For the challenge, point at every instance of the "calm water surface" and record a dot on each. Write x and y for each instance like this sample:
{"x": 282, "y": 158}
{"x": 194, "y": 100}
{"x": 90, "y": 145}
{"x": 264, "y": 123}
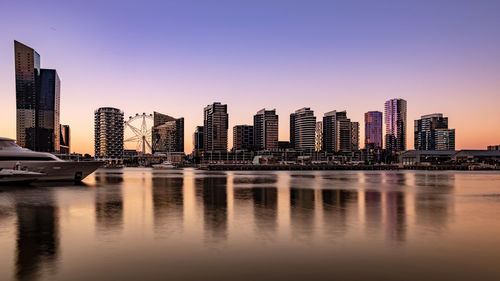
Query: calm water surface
{"x": 139, "y": 224}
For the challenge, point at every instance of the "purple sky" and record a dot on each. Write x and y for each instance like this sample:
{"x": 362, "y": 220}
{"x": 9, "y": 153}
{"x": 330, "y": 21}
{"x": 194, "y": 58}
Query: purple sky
{"x": 175, "y": 57}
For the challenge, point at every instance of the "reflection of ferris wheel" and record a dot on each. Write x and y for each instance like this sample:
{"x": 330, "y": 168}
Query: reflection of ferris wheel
{"x": 138, "y": 132}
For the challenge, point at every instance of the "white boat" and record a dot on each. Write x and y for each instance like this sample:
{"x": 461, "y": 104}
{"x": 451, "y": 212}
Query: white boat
{"x": 48, "y": 165}
{"x": 166, "y": 165}
{"x": 17, "y": 176}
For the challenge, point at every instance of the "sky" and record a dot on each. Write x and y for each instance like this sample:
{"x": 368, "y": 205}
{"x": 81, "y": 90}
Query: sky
{"x": 175, "y": 57}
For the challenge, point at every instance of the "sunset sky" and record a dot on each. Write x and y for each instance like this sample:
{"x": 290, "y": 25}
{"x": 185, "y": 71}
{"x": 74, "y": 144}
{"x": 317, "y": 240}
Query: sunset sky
{"x": 175, "y": 57}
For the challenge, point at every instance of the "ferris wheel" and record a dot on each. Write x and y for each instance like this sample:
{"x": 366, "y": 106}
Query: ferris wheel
{"x": 138, "y": 132}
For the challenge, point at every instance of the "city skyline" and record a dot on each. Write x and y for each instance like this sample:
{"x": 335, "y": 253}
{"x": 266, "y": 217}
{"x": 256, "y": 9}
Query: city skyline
{"x": 456, "y": 73}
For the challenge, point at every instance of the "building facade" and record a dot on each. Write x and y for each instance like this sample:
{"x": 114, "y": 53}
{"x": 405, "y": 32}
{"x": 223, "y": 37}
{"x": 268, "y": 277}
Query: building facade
{"x": 373, "y": 130}
{"x": 395, "y": 124}
{"x": 337, "y": 132}
{"x": 318, "y": 136}
{"x": 37, "y": 101}
{"x": 354, "y": 136}
{"x": 304, "y": 129}
{"x": 198, "y": 139}
{"x": 65, "y": 139}
{"x": 216, "y": 123}
{"x": 108, "y": 134}
{"x": 167, "y": 133}
{"x": 432, "y": 133}
{"x": 243, "y": 137}
{"x": 265, "y": 124}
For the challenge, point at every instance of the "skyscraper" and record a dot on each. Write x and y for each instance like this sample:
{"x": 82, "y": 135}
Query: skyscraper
{"x": 37, "y": 102}
{"x": 243, "y": 137}
{"x": 265, "y": 124}
{"x": 167, "y": 133}
{"x": 337, "y": 132}
{"x": 432, "y": 133}
{"x": 395, "y": 124}
{"x": 216, "y": 123}
{"x": 373, "y": 130}
{"x": 108, "y": 133}
{"x": 318, "y": 136}
{"x": 304, "y": 129}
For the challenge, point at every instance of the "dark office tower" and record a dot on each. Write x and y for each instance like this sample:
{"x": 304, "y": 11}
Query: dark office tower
{"x": 198, "y": 138}
{"x": 168, "y": 133}
{"x": 27, "y": 67}
{"x": 432, "y": 133}
{"x": 395, "y": 125}
{"x": 292, "y": 130}
{"x": 216, "y": 124}
{"x": 65, "y": 144}
{"x": 265, "y": 124}
{"x": 373, "y": 130}
{"x": 37, "y": 101}
{"x": 243, "y": 137}
{"x": 48, "y": 111}
{"x": 108, "y": 133}
{"x": 337, "y": 132}
{"x": 354, "y": 136}
{"x": 305, "y": 129}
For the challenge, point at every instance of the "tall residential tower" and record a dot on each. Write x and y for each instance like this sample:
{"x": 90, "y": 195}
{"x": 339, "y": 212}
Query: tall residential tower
{"x": 265, "y": 125}
{"x": 108, "y": 133}
{"x": 215, "y": 123}
{"x": 395, "y": 125}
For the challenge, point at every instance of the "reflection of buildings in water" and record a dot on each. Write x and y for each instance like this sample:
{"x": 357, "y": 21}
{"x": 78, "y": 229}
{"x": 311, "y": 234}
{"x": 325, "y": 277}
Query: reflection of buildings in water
{"x": 433, "y": 202}
{"x": 108, "y": 208}
{"x": 214, "y": 196}
{"x": 396, "y": 179}
{"x": 109, "y": 178}
{"x": 395, "y": 215}
{"x": 37, "y": 236}
{"x": 302, "y": 212}
{"x": 335, "y": 206}
{"x": 168, "y": 203}
{"x": 265, "y": 200}
{"x": 373, "y": 210}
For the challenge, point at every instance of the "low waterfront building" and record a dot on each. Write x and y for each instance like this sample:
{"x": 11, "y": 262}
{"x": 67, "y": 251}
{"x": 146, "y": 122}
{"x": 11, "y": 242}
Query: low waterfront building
{"x": 493, "y": 147}
{"x": 243, "y": 137}
{"x": 477, "y": 156}
{"x": 425, "y": 157}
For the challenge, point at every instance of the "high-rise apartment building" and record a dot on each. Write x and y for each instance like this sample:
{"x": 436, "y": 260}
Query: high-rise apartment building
{"x": 65, "y": 139}
{"x": 108, "y": 133}
{"x": 167, "y": 133}
{"x": 432, "y": 133}
{"x": 318, "y": 136}
{"x": 373, "y": 130}
{"x": 243, "y": 137}
{"x": 337, "y": 132}
{"x": 395, "y": 125}
{"x": 265, "y": 124}
{"x": 304, "y": 129}
{"x": 216, "y": 123}
{"x": 292, "y": 130}
{"x": 37, "y": 101}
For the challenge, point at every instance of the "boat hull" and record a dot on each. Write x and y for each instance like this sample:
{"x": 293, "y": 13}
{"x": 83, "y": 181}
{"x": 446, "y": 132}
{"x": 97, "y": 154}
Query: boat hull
{"x": 57, "y": 170}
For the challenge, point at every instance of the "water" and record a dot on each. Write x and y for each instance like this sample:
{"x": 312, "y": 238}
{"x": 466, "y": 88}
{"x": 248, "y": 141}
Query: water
{"x": 139, "y": 224}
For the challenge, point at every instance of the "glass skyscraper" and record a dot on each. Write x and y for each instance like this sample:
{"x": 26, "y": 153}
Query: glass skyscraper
{"x": 37, "y": 101}
{"x": 395, "y": 125}
{"x": 373, "y": 130}
{"x": 167, "y": 133}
